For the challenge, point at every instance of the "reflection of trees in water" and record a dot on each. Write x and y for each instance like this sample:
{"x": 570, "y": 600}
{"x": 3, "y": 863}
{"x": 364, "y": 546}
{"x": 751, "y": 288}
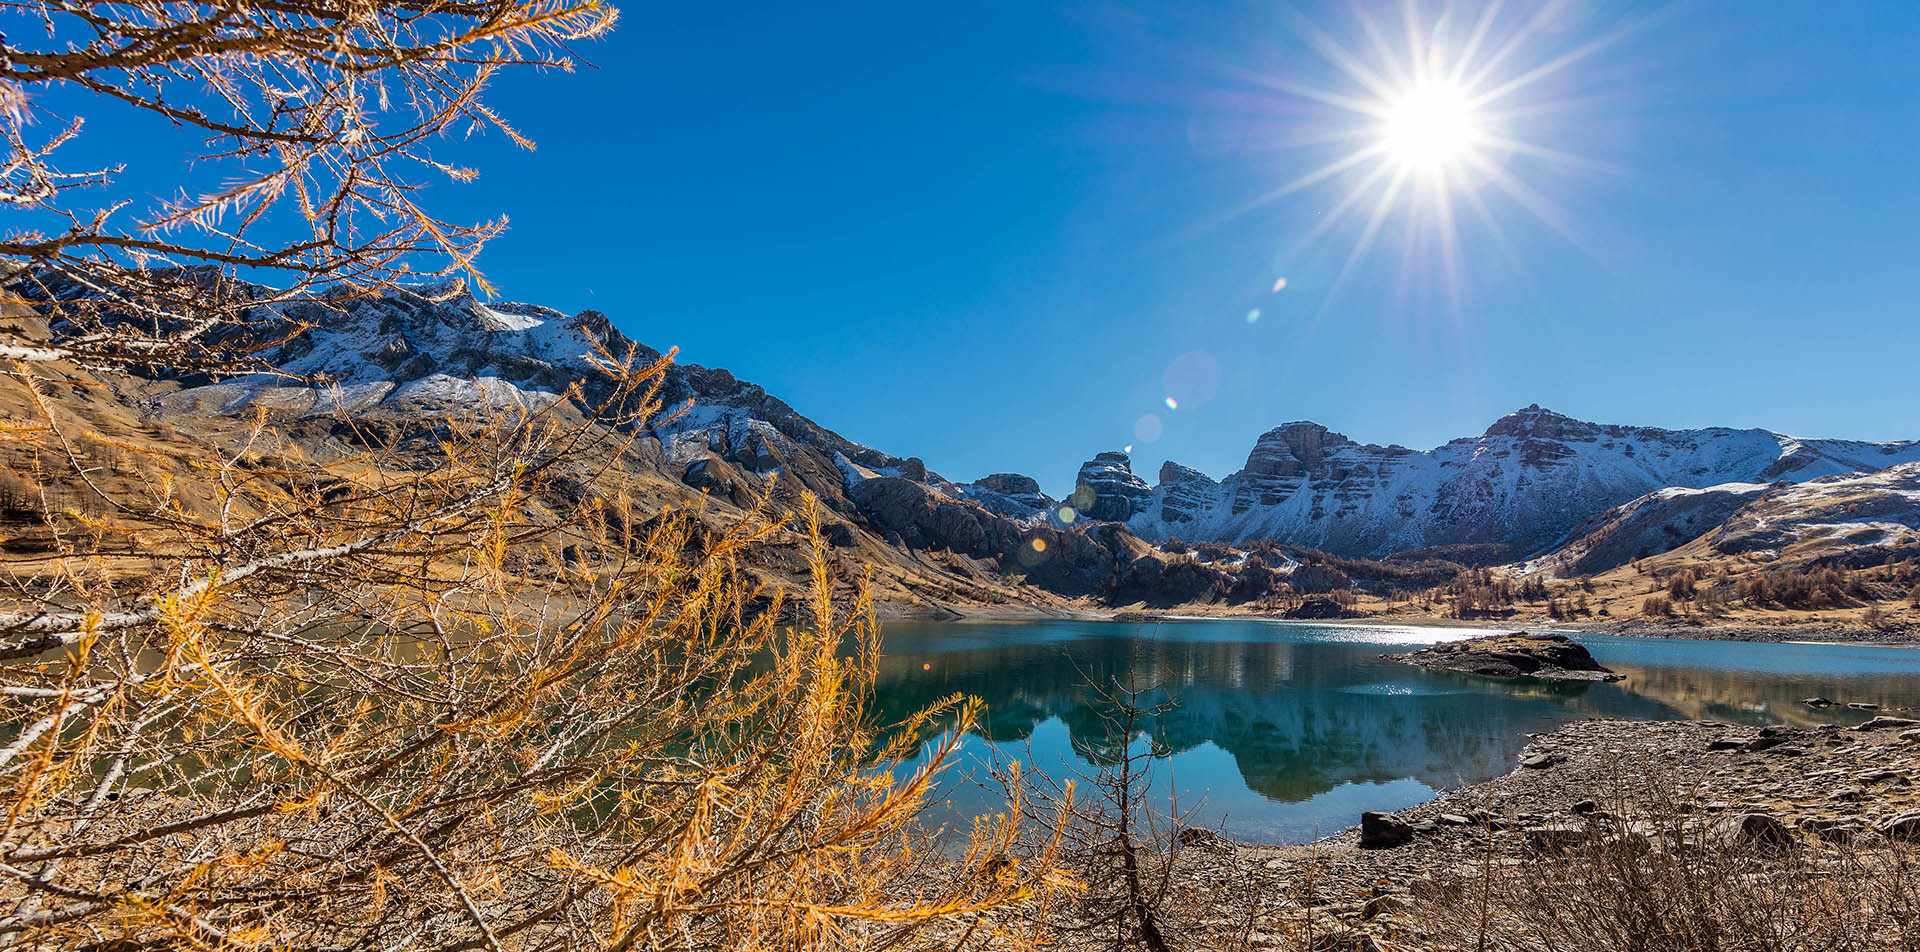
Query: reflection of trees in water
{"x": 1747, "y": 697}
{"x": 1286, "y": 713}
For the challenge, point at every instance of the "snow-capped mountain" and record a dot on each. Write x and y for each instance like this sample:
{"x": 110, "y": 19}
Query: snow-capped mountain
{"x": 412, "y": 353}
{"x": 1653, "y": 524}
{"x": 1528, "y": 481}
{"x": 1854, "y": 519}
{"x": 1533, "y": 480}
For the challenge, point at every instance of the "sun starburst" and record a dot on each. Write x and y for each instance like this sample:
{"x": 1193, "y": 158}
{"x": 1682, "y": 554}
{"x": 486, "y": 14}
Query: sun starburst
{"x": 1414, "y": 128}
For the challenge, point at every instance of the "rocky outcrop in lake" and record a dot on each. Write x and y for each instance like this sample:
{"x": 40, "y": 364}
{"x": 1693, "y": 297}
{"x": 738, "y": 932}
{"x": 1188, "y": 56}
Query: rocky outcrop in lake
{"x": 1518, "y": 655}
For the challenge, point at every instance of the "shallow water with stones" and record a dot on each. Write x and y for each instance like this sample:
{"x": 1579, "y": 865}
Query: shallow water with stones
{"x": 1284, "y": 731}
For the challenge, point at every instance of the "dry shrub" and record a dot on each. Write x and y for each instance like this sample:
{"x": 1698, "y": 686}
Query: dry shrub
{"x": 465, "y": 696}
{"x": 1673, "y": 879}
{"x": 436, "y": 683}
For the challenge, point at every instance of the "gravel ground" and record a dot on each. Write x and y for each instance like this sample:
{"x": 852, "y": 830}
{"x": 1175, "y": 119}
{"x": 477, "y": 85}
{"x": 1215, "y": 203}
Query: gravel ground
{"x": 1829, "y": 782}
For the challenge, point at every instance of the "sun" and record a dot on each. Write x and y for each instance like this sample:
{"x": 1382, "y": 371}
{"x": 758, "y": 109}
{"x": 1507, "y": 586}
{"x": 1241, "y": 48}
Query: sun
{"x": 1431, "y": 127}
{"x": 1418, "y": 134}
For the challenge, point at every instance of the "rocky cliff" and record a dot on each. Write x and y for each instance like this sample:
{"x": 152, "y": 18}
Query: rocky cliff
{"x": 394, "y": 360}
{"x": 1532, "y": 479}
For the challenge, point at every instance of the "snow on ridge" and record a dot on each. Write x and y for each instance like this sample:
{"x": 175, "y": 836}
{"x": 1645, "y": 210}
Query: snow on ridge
{"x": 1533, "y": 477}
{"x": 509, "y": 321}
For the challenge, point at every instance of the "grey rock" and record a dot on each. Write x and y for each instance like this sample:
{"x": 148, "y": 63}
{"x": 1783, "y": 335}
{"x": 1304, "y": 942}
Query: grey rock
{"x": 1759, "y": 830}
{"x": 1520, "y": 654}
{"x": 1383, "y": 830}
{"x": 1902, "y": 826}
{"x": 1883, "y": 722}
{"x": 1554, "y": 837}
{"x": 1107, "y": 490}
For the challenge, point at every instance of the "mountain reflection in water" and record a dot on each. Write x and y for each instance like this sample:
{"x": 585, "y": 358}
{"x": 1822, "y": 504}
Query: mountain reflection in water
{"x": 1281, "y": 731}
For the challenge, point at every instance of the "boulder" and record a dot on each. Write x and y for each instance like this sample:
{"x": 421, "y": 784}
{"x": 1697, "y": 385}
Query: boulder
{"x": 1900, "y": 826}
{"x": 1383, "y": 830}
{"x": 1832, "y": 829}
{"x": 1883, "y": 722}
{"x": 1554, "y": 837}
{"x": 1758, "y": 830}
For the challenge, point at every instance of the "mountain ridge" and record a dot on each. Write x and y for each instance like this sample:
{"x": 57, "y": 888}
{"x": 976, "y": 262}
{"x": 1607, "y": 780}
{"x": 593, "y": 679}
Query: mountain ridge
{"x": 1531, "y": 478}
{"x": 1533, "y": 482}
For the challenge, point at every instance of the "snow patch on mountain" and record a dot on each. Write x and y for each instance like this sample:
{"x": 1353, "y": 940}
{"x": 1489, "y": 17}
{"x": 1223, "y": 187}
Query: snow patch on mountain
{"x": 1860, "y": 517}
{"x": 1534, "y": 477}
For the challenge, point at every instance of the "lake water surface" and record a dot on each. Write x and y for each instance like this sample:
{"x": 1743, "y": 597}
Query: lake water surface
{"x": 1283, "y": 731}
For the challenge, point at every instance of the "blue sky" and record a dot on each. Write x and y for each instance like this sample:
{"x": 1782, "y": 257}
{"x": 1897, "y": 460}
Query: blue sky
{"x": 982, "y": 233}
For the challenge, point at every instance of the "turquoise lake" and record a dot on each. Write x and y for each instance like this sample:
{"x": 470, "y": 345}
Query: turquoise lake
{"x": 1285, "y": 731}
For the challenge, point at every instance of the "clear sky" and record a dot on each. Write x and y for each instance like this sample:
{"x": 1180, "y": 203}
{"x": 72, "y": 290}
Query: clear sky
{"x": 997, "y": 234}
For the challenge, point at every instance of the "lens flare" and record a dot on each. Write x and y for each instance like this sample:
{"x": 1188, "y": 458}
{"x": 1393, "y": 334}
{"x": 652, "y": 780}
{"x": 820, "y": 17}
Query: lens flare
{"x": 1253, "y": 316}
{"x": 1279, "y": 285}
{"x": 1172, "y": 404}
{"x": 1191, "y": 379}
{"x": 1147, "y": 429}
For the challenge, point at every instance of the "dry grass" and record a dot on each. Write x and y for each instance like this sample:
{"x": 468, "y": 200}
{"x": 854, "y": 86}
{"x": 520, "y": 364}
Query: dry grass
{"x": 1666, "y": 881}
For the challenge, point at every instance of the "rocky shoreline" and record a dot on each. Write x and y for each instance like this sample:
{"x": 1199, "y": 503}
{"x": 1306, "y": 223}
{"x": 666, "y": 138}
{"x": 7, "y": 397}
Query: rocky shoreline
{"x": 1773, "y": 786}
{"x": 1903, "y": 635}
{"x": 1824, "y": 633}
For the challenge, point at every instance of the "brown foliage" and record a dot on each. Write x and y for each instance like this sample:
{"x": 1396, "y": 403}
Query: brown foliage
{"x": 365, "y": 704}
{"x": 317, "y": 122}
{"x": 448, "y": 686}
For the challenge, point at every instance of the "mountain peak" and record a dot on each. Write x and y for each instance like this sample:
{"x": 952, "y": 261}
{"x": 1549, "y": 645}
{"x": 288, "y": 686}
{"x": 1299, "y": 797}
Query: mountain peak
{"x": 1288, "y": 446}
{"x": 1531, "y": 478}
{"x": 1536, "y": 422}
{"x": 1107, "y": 489}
